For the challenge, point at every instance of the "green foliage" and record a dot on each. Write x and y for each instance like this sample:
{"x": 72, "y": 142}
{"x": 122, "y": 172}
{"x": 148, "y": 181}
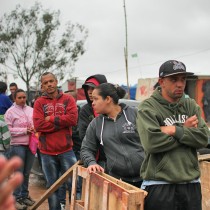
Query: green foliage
{"x": 29, "y": 44}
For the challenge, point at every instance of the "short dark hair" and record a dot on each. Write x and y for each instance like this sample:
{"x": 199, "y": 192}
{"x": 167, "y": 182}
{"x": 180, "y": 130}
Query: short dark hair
{"x": 13, "y": 84}
{"x": 18, "y": 91}
{"x": 114, "y": 91}
{"x": 46, "y": 73}
{"x": 3, "y": 87}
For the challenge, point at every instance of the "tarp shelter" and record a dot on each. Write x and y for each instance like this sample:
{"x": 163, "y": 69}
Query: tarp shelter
{"x": 132, "y": 90}
{"x": 145, "y": 88}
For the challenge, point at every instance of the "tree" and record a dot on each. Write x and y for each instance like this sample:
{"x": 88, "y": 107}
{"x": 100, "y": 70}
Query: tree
{"x": 29, "y": 44}
{"x": 3, "y": 75}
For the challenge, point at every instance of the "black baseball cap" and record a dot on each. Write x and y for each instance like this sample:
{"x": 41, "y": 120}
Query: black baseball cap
{"x": 173, "y": 67}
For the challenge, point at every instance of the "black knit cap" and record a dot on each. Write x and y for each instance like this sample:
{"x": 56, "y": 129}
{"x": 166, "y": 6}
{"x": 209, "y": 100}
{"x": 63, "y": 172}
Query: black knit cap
{"x": 173, "y": 67}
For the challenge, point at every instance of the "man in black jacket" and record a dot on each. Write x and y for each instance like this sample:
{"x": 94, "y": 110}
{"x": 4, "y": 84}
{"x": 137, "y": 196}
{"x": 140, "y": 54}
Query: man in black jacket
{"x": 87, "y": 113}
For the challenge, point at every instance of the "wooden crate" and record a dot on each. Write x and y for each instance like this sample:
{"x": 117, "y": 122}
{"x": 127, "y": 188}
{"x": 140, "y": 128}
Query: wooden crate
{"x": 205, "y": 184}
{"x": 103, "y": 192}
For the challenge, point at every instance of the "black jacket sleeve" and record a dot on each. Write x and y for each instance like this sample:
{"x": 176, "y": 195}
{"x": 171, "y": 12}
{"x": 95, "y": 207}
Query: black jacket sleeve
{"x": 90, "y": 145}
{"x": 85, "y": 117}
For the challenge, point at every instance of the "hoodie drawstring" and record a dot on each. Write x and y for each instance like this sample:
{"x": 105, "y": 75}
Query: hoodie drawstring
{"x": 102, "y": 128}
{"x": 129, "y": 123}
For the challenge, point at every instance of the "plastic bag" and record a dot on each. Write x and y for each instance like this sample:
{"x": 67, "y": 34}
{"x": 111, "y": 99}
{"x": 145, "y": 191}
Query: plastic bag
{"x": 33, "y": 143}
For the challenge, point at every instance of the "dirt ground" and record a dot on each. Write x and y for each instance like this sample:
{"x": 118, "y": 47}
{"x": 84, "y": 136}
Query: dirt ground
{"x": 37, "y": 189}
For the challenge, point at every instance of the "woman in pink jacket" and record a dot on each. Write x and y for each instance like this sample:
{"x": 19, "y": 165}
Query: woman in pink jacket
{"x": 19, "y": 118}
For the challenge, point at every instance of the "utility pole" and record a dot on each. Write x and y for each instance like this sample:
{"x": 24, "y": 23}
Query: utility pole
{"x": 126, "y": 50}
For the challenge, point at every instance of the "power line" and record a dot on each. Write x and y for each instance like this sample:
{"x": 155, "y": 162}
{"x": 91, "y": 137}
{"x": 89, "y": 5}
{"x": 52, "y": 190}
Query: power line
{"x": 153, "y": 63}
{"x": 161, "y": 61}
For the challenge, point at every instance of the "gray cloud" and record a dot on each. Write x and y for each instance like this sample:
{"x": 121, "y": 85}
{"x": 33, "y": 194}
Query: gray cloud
{"x": 157, "y": 31}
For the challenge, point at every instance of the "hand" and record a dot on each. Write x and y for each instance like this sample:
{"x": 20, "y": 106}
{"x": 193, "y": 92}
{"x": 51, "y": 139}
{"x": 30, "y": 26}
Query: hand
{"x": 47, "y": 118}
{"x": 9, "y": 181}
{"x": 94, "y": 168}
{"x": 170, "y": 130}
{"x": 191, "y": 122}
{"x": 30, "y": 130}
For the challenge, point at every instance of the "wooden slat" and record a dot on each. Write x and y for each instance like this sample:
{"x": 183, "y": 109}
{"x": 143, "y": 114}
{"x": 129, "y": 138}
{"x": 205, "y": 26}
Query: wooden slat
{"x": 205, "y": 184}
{"x": 203, "y": 157}
{"x": 87, "y": 193}
{"x": 74, "y": 189}
{"x": 78, "y": 206}
{"x": 125, "y": 201}
{"x": 55, "y": 186}
{"x": 83, "y": 189}
{"x": 105, "y": 195}
{"x": 82, "y": 172}
{"x": 103, "y": 192}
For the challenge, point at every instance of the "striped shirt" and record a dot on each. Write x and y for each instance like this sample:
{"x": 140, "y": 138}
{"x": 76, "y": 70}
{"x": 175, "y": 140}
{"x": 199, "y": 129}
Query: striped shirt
{"x": 4, "y": 135}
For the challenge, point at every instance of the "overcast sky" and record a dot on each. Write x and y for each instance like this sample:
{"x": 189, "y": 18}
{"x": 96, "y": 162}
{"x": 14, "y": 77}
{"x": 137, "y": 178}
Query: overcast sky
{"x": 158, "y": 30}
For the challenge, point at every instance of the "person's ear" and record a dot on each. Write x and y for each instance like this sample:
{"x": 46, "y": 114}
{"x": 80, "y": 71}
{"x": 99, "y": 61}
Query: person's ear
{"x": 108, "y": 99}
{"x": 161, "y": 81}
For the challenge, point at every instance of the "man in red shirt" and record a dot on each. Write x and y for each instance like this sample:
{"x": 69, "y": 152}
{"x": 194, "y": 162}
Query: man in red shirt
{"x": 54, "y": 115}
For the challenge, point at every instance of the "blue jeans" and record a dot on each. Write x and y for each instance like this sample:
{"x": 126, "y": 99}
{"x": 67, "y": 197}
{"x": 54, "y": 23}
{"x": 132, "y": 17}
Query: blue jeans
{"x": 79, "y": 183}
{"x": 77, "y": 154}
{"x": 5, "y": 153}
{"x": 62, "y": 188}
{"x": 53, "y": 166}
{"x": 28, "y": 158}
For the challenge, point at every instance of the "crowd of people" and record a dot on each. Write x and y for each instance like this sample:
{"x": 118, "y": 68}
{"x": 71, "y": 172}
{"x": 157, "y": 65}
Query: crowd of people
{"x": 153, "y": 147}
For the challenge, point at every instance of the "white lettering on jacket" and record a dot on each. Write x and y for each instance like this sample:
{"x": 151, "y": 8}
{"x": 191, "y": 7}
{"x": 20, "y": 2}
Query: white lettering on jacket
{"x": 175, "y": 119}
{"x": 56, "y": 110}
